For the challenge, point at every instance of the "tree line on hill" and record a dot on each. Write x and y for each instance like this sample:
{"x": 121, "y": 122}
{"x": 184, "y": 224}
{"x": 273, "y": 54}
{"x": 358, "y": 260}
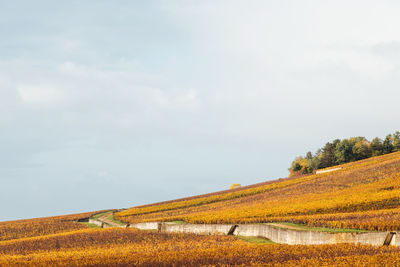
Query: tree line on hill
{"x": 342, "y": 151}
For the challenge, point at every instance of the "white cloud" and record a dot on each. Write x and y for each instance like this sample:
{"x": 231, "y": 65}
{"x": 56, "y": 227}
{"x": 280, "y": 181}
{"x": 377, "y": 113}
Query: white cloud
{"x": 72, "y": 69}
{"x": 360, "y": 59}
{"x": 41, "y": 94}
{"x": 71, "y": 45}
{"x": 104, "y": 175}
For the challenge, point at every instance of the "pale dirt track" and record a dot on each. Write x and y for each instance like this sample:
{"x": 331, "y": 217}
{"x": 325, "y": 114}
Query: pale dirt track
{"x": 109, "y": 222}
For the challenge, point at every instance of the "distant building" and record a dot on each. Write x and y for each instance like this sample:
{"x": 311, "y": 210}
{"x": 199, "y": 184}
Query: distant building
{"x": 329, "y": 170}
{"x": 234, "y": 186}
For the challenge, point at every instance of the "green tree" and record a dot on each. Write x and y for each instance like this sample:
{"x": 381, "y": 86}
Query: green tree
{"x": 296, "y": 167}
{"x": 388, "y": 144}
{"x": 344, "y": 152}
{"x": 313, "y": 164}
{"x": 362, "y": 150}
{"x": 376, "y": 147}
{"x": 300, "y": 166}
{"x": 396, "y": 141}
{"x": 327, "y": 155}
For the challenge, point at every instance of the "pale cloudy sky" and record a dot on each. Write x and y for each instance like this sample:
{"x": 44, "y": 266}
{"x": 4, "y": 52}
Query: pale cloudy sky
{"x": 110, "y": 104}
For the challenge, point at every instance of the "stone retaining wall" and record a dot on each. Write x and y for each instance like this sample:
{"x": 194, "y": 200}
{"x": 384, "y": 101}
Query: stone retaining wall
{"x": 201, "y": 229}
{"x": 100, "y": 223}
{"x": 396, "y": 240}
{"x": 274, "y": 233}
{"x": 146, "y": 225}
{"x": 96, "y": 222}
{"x": 305, "y": 237}
{"x": 329, "y": 170}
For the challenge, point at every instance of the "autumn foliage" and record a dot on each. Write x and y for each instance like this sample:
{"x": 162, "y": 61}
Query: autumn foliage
{"x": 343, "y": 151}
{"x": 130, "y": 247}
{"x": 41, "y": 226}
{"x": 363, "y": 195}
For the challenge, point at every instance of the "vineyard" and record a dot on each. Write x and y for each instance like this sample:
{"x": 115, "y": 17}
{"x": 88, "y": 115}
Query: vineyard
{"x": 362, "y": 195}
{"x": 123, "y": 247}
{"x": 41, "y": 226}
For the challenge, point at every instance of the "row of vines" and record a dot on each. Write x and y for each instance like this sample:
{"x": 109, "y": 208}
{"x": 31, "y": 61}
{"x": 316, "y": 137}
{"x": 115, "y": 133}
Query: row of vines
{"x": 130, "y": 247}
{"x": 355, "y": 197}
{"x": 42, "y": 226}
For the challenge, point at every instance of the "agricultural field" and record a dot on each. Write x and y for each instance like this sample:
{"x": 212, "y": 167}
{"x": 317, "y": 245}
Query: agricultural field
{"x": 42, "y": 226}
{"x": 130, "y": 247}
{"x": 361, "y": 195}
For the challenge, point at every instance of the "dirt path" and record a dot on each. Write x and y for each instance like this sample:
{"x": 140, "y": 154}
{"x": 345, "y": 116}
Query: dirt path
{"x": 105, "y": 219}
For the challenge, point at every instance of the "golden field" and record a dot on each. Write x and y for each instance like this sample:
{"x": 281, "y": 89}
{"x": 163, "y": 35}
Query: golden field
{"x": 41, "y": 226}
{"x": 363, "y": 195}
{"x": 130, "y": 247}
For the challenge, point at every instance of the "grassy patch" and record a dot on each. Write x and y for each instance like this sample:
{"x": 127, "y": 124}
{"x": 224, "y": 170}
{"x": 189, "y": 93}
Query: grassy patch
{"x": 111, "y": 218}
{"x": 256, "y": 240}
{"x": 90, "y": 225}
{"x": 322, "y": 229}
{"x": 98, "y": 215}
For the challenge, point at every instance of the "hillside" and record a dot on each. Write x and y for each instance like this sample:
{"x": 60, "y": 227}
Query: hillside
{"x": 42, "y": 226}
{"x": 359, "y": 195}
{"x": 362, "y": 195}
{"x": 131, "y": 247}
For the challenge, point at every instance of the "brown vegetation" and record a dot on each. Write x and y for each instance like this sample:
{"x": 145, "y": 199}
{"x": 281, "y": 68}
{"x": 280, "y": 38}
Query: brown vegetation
{"x": 130, "y": 247}
{"x": 358, "y": 196}
{"x": 41, "y": 226}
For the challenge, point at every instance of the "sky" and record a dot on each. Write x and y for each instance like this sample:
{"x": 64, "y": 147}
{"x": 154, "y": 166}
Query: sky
{"x": 112, "y": 104}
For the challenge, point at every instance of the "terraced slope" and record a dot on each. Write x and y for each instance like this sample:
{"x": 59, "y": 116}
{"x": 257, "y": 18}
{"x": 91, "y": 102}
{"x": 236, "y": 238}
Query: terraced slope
{"x": 42, "y": 226}
{"x": 131, "y": 247}
{"x": 361, "y": 195}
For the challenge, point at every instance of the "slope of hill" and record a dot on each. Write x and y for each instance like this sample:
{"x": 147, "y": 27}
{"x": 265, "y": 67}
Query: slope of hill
{"x": 42, "y": 226}
{"x": 363, "y": 195}
{"x": 360, "y": 195}
{"x": 130, "y": 247}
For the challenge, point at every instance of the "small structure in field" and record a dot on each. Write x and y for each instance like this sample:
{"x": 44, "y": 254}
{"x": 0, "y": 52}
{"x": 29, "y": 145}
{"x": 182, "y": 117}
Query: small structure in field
{"x": 329, "y": 170}
{"x": 234, "y": 186}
